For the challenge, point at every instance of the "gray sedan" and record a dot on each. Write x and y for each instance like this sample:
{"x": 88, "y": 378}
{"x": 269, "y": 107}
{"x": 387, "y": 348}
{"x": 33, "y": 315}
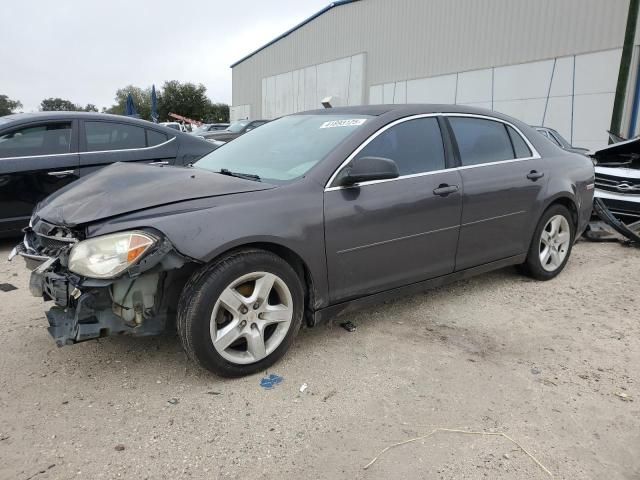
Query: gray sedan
{"x": 305, "y": 218}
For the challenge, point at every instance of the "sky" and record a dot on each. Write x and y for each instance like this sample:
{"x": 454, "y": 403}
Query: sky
{"x": 84, "y": 50}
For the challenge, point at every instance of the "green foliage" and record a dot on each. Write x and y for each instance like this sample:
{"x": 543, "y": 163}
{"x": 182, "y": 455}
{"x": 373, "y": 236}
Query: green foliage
{"x": 8, "y": 106}
{"x": 141, "y": 99}
{"x": 58, "y": 105}
{"x": 90, "y": 107}
{"x": 186, "y": 99}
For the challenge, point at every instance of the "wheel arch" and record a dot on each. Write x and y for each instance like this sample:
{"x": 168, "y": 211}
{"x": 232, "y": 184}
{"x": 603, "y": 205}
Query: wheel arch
{"x": 292, "y": 258}
{"x": 567, "y": 200}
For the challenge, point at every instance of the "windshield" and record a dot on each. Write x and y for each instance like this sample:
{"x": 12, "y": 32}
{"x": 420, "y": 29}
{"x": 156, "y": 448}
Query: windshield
{"x": 284, "y": 149}
{"x": 237, "y": 126}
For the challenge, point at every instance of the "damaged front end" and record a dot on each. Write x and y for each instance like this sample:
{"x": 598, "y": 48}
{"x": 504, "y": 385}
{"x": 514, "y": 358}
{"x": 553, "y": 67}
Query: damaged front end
{"x": 617, "y": 193}
{"x": 136, "y": 301}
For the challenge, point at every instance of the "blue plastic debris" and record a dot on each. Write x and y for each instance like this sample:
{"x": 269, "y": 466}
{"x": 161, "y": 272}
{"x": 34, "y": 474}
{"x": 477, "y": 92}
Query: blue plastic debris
{"x": 271, "y": 381}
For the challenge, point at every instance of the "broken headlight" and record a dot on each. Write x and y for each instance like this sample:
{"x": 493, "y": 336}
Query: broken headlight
{"x": 109, "y": 255}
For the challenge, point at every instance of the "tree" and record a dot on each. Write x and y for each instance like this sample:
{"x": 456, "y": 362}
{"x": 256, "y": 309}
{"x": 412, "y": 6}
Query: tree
{"x": 90, "y": 107}
{"x": 58, "y": 105}
{"x": 186, "y": 99}
{"x": 141, "y": 99}
{"x": 8, "y": 106}
{"x": 218, "y": 112}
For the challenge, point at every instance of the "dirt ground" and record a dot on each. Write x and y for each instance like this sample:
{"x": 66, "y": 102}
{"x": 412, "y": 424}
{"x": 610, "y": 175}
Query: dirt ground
{"x": 555, "y": 365}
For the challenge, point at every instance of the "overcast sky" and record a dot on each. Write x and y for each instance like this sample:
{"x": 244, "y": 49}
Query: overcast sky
{"x": 84, "y": 50}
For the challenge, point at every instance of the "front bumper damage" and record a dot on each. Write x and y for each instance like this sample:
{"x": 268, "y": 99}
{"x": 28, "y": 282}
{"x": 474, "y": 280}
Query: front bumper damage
{"x": 86, "y": 308}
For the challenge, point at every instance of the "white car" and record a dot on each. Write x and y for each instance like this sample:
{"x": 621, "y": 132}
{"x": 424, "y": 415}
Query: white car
{"x": 618, "y": 178}
{"x": 176, "y": 126}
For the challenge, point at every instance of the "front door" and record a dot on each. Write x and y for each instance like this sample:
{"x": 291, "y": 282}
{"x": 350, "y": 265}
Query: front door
{"x": 35, "y": 160}
{"x": 385, "y": 234}
{"x": 502, "y": 179}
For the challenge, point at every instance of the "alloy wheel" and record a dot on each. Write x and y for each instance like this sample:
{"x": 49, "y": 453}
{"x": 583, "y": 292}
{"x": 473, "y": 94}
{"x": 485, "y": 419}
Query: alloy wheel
{"x": 554, "y": 243}
{"x": 251, "y": 317}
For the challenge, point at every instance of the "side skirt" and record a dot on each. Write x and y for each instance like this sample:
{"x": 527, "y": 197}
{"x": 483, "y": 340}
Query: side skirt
{"x": 332, "y": 311}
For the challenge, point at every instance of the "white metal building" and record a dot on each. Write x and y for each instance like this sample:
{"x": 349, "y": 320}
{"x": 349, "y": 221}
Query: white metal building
{"x": 546, "y": 62}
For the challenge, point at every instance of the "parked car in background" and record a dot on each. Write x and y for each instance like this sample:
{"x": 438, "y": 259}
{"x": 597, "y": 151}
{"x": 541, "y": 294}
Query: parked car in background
{"x": 175, "y": 125}
{"x": 618, "y": 178}
{"x": 560, "y": 141}
{"x": 311, "y": 215}
{"x": 43, "y": 152}
{"x": 209, "y": 127}
{"x": 234, "y": 131}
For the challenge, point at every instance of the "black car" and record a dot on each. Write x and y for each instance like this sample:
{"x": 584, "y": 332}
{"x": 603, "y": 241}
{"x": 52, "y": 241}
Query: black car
{"x": 42, "y": 152}
{"x": 234, "y": 131}
{"x": 309, "y": 216}
{"x": 560, "y": 141}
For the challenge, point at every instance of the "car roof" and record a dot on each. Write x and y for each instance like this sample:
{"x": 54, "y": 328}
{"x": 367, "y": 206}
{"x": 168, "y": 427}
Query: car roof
{"x": 18, "y": 118}
{"x": 405, "y": 109}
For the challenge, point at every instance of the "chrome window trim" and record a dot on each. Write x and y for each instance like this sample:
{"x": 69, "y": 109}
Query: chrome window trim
{"x": 534, "y": 153}
{"x": 129, "y": 149}
{"x": 372, "y": 137}
{"x": 85, "y": 153}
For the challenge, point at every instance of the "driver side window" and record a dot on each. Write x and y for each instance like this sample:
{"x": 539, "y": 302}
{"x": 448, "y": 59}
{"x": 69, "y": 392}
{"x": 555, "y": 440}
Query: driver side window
{"x": 415, "y": 146}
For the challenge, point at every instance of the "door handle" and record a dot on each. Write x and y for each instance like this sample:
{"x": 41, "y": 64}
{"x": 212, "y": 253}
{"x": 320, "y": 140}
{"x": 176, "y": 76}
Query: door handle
{"x": 61, "y": 173}
{"x": 443, "y": 190}
{"x": 533, "y": 175}
{"x": 164, "y": 162}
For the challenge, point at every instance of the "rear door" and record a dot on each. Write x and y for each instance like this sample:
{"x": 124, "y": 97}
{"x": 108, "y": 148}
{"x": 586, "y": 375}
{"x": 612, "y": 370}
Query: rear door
{"x": 105, "y": 142}
{"x": 36, "y": 159}
{"x": 389, "y": 233}
{"x": 503, "y": 180}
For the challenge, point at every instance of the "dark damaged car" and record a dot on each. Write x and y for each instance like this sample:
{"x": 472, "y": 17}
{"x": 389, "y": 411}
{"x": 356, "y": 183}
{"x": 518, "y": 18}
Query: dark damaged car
{"x": 307, "y": 217}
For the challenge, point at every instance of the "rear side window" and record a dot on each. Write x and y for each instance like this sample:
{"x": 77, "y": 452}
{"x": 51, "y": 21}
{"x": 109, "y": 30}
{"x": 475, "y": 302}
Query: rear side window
{"x": 155, "y": 138}
{"x": 520, "y": 147}
{"x": 113, "y": 136}
{"x": 481, "y": 141}
{"x": 45, "y": 139}
{"x": 415, "y": 145}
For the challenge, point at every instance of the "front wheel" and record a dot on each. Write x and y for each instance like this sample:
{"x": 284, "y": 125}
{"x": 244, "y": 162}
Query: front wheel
{"x": 551, "y": 244}
{"x": 239, "y": 315}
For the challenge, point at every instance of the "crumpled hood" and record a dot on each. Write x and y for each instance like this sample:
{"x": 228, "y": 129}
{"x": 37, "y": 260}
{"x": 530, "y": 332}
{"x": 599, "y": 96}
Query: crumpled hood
{"x": 128, "y": 187}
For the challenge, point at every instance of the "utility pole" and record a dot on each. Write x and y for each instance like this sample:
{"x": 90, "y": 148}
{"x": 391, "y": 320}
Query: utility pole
{"x": 625, "y": 63}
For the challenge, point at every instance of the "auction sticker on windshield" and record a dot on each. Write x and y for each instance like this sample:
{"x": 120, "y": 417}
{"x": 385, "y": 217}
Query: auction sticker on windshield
{"x": 352, "y": 122}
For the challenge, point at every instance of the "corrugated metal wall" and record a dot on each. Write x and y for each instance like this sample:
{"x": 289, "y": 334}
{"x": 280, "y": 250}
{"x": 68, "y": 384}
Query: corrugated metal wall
{"x": 406, "y": 39}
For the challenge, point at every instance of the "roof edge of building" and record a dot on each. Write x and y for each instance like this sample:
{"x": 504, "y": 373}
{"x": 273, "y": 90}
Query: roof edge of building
{"x": 336, "y": 3}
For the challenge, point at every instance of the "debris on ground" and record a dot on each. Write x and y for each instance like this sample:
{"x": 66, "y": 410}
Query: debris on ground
{"x": 7, "y": 287}
{"x": 611, "y": 228}
{"x": 173, "y": 401}
{"x": 303, "y": 387}
{"x": 119, "y": 447}
{"x": 212, "y": 392}
{"x": 625, "y": 397}
{"x": 271, "y": 381}
{"x": 464, "y": 432}
{"x": 348, "y": 326}
{"x": 329, "y": 395}
{"x": 535, "y": 371}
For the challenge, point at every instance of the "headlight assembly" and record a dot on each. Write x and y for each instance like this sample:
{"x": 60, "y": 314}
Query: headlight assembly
{"x": 109, "y": 255}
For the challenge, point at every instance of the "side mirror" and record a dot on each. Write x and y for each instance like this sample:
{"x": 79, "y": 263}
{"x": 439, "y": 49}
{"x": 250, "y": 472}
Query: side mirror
{"x": 365, "y": 169}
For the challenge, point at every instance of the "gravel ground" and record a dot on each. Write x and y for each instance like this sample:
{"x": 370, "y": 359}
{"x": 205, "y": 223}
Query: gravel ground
{"x": 553, "y": 365}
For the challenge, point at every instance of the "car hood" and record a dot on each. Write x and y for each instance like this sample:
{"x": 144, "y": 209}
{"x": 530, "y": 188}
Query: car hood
{"x": 625, "y": 153}
{"x": 124, "y": 188}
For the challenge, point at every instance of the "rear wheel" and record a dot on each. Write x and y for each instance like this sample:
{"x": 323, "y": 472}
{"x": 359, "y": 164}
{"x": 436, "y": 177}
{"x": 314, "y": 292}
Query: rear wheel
{"x": 240, "y": 315}
{"x": 551, "y": 244}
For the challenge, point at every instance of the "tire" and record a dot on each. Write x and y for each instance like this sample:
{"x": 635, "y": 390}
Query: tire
{"x": 233, "y": 289}
{"x": 534, "y": 265}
